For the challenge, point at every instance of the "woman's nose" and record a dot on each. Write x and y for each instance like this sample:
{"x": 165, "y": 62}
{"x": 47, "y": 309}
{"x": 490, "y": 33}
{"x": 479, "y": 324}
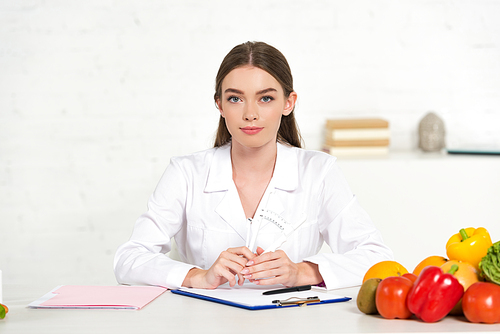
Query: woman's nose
{"x": 251, "y": 113}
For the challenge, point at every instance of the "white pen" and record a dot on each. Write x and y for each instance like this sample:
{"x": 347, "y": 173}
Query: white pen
{"x": 249, "y": 233}
{"x": 255, "y": 224}
{"x": 255, "y": 227}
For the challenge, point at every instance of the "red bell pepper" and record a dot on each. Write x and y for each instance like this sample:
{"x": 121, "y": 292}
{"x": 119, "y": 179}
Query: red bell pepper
{"x": 434, "y": 294}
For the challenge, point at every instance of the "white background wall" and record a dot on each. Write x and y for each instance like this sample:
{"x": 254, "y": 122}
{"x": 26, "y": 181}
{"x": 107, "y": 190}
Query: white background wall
{"x": 97, "y": 95}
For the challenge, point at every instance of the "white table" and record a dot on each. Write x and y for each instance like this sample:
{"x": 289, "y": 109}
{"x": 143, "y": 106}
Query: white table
{"x": 178, "y": 314}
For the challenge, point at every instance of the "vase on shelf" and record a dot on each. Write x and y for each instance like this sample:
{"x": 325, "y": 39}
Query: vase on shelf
{"x": 431, "y": 133}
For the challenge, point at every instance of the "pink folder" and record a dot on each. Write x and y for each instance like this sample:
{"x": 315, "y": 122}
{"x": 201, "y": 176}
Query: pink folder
{"x": 113, "y": 297}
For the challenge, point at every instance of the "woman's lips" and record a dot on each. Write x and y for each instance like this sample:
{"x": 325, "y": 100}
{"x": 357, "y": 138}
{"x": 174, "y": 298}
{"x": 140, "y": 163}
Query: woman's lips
{"x": 251, "y": 130}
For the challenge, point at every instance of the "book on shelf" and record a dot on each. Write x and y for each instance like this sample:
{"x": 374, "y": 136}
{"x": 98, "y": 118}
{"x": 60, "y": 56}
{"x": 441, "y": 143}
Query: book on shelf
{"x": 357, "y": 123}
{"x": 358, "y": 134}
{"x": 356, "y": 151}
{"x": 356, "y": 142}
{"x": 357, "y": 137}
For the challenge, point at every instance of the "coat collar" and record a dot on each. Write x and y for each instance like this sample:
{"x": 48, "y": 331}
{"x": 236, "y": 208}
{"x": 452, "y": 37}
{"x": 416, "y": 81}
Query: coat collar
{"x": 220, "y": 174}
{"x": 286, "y": 171}
{"x": 285, "y": 177}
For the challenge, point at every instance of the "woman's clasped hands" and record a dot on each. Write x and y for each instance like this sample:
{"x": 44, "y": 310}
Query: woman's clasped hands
{"x": 237, "y": 264}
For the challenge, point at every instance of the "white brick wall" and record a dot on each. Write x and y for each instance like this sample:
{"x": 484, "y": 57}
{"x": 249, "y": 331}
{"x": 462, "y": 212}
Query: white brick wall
{"x": 96, "y": 96}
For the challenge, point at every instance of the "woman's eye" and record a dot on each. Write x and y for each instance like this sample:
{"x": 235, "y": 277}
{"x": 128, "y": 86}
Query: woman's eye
{"x": 267, "y": 98}
{"x": 233, "y": 99}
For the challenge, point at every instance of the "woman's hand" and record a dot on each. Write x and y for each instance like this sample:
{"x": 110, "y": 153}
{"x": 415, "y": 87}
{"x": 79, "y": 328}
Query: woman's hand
{"x": 229, "y": 264}
{"x": 276, "y": 268}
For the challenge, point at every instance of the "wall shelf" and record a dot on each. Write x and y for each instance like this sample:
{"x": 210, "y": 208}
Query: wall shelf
{"x": 418, "y": 200}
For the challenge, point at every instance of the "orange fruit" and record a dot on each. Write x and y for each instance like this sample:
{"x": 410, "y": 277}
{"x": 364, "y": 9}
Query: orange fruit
{"x": 466, "y": 275}
{"x": 433, "y": 260}
{"x": 385, "y": 269}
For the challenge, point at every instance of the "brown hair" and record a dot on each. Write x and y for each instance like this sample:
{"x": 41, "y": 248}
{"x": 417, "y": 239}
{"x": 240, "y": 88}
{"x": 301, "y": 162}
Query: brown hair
{"x": 271, "y": 60}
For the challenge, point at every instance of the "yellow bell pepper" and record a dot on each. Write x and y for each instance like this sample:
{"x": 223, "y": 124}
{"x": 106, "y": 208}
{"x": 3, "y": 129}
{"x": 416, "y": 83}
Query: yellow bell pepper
{"x": 470, "y": 245}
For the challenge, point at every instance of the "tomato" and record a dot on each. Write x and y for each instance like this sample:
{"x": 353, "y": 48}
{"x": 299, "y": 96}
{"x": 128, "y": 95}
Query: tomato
{"x": 412, "y": 277}
{"x": 481, "y": 303}
{"x": 390, "y": 297}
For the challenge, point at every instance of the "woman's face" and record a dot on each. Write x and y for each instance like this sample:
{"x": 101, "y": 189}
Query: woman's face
{"x": 252, "y": 104}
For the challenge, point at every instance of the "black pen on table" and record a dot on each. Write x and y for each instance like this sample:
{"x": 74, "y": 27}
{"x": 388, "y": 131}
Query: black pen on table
{"x": 285, "y": 290}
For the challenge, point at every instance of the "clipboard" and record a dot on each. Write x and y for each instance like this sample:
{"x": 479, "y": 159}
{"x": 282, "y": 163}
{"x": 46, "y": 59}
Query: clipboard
{"x": 249, "y": 297}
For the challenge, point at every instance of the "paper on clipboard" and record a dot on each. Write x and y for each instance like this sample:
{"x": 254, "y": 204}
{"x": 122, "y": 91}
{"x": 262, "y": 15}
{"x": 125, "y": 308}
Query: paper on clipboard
{"x": 98, "y": 297}
{"x": 249, "y": 296}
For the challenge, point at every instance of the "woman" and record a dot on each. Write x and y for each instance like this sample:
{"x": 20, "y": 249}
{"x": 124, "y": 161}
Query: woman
{"x": 225, "y": 206}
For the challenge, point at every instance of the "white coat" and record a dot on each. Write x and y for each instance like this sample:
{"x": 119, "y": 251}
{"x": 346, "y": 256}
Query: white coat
{"x": 196, "y": 202}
